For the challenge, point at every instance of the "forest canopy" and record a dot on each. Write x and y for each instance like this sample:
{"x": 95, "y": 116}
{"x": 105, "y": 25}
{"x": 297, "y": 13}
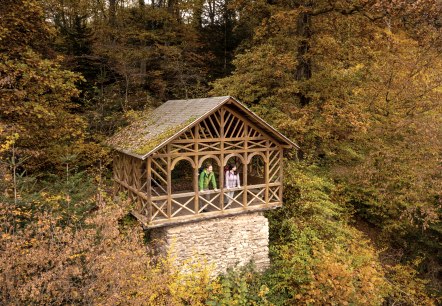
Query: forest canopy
{"x": 357, "y": 84}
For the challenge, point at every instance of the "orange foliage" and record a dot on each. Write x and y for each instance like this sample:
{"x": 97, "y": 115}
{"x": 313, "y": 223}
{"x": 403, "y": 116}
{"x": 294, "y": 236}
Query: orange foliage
{"x": 96, "y": 263}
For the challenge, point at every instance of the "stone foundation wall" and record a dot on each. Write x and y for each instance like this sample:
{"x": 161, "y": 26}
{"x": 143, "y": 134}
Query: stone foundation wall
{"x": 223, "y": 242}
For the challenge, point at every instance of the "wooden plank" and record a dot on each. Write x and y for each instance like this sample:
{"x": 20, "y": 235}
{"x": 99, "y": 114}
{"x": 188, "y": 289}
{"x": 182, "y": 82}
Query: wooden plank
{"x": 256, "y": 196}
{"x": 159, "y": 209}
{"x": 116, "y": 176}
{"x": 212, "y": 145}
{"x": 138, "y": 174}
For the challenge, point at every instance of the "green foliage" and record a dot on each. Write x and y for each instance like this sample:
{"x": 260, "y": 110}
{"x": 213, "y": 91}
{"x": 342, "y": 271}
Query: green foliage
{"x": 239, "y": 287}
{"x": 318, "y": 257}
{"x": 69, "y": 199}
{"x": 357, "y": 84}
{"x": 407, "y": 287}
{"x": 163, "y": 137}
{"x": 308, "y": 203}
{"x": 36, "y": 94}
{"x": 353, "y": 85}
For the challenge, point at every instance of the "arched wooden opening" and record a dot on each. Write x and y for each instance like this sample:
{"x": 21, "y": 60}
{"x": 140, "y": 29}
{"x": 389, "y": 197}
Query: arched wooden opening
{"x": 182, "y": 186}
{"x": 233, "y": 192}
{"x": 182, "y": 175}
{"x": 256, "y": 179}
{"x": 209, "y": 196}
{"x": 175, "y": 161}
{"x": 208, "y": 159}
{"x": 256, "y": 169}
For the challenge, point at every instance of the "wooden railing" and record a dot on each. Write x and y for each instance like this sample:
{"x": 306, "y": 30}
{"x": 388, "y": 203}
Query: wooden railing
{"x": 183, "y": 205}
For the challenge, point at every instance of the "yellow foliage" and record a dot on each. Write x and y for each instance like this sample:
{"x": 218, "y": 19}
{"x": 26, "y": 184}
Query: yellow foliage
{"x": 8, "y": 142}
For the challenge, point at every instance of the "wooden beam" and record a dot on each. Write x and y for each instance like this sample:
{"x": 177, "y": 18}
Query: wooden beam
{"x": 199, "y": 153}
{"x": 195, "y": 171}
{"x": 130, "y": 188}
{"x": 252, "y": 125}
{"x": 221, "y": 175}
{"x": 207, "y": 215}
{"x": 267, "y": 182}
{"x": 116, "y": 172}
{"x": 281, "y": 173}
{"x": 245, "y": 166}
{"x": 169, "y": 183}
{"x": 149, "y": 188}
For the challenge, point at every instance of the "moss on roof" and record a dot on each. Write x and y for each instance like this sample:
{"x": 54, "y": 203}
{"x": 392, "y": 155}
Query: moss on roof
{"x": 154, "y": 128}
{"x": 159, "y": 139}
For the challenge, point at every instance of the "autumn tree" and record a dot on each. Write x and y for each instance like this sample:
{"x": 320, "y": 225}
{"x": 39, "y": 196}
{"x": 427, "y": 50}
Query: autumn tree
{"x": 358, "y": 85}
{"x": 36, "y": 92}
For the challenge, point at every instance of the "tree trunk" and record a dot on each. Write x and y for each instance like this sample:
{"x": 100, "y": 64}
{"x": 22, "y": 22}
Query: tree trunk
{"x": 198, "y": 13}
{"x": 173, "y": 9}
{"x": 303, "y": 70}
{"x": 112, "y": 12}
{"x": 212, "y": 7}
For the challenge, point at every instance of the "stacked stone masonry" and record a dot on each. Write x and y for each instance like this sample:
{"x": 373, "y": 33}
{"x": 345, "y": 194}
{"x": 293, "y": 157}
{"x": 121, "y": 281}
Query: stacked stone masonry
{"x": 221, "y": 242}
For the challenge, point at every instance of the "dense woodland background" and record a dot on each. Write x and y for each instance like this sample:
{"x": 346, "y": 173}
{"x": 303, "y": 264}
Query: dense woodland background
{"x": 356, "y": 83}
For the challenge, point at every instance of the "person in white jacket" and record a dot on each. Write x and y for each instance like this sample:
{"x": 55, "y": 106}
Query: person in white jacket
{"x": 232, "y": 181}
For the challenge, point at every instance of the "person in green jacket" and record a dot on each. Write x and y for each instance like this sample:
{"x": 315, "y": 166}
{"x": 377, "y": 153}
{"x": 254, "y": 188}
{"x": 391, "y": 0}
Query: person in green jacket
{"x": 207, "y": 177}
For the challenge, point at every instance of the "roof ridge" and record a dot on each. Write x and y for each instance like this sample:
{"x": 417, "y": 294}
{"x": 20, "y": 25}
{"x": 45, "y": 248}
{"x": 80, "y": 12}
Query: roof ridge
{"x": 146, "y": 135}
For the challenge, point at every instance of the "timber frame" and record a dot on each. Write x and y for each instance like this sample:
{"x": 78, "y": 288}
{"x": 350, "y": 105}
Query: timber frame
{"x": 227, "y": 132}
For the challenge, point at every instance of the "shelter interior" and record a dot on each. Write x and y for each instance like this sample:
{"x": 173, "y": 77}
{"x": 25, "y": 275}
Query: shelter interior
{"x": 165, "y": 185}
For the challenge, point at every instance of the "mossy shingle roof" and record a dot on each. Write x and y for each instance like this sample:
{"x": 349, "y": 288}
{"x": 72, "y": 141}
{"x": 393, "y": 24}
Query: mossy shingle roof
{"x": 157, "y": 128}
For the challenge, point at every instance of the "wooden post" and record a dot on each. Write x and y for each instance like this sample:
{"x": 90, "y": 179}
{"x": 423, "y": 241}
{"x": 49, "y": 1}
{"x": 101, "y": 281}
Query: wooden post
{"x": 195, "y": 172}
{"x": 267, "y": 172}
{"x": 149, "y": 188}
{"x": 116, "y": 174}
{"x": 221, "y": 175}
{"x": 169, "y": 183}
{"x": 245, "y": 166}
{"x": 281, "y": 173}
{"x": 137, "y": 164}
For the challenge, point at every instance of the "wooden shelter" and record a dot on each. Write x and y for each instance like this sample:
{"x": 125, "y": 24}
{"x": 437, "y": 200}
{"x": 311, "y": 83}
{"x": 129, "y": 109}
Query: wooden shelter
{"x": 159, "y": 157}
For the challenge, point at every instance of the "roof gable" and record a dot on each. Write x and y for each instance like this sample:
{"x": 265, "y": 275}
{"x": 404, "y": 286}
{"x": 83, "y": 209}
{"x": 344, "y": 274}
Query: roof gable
{"x": 154, "y": 130}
